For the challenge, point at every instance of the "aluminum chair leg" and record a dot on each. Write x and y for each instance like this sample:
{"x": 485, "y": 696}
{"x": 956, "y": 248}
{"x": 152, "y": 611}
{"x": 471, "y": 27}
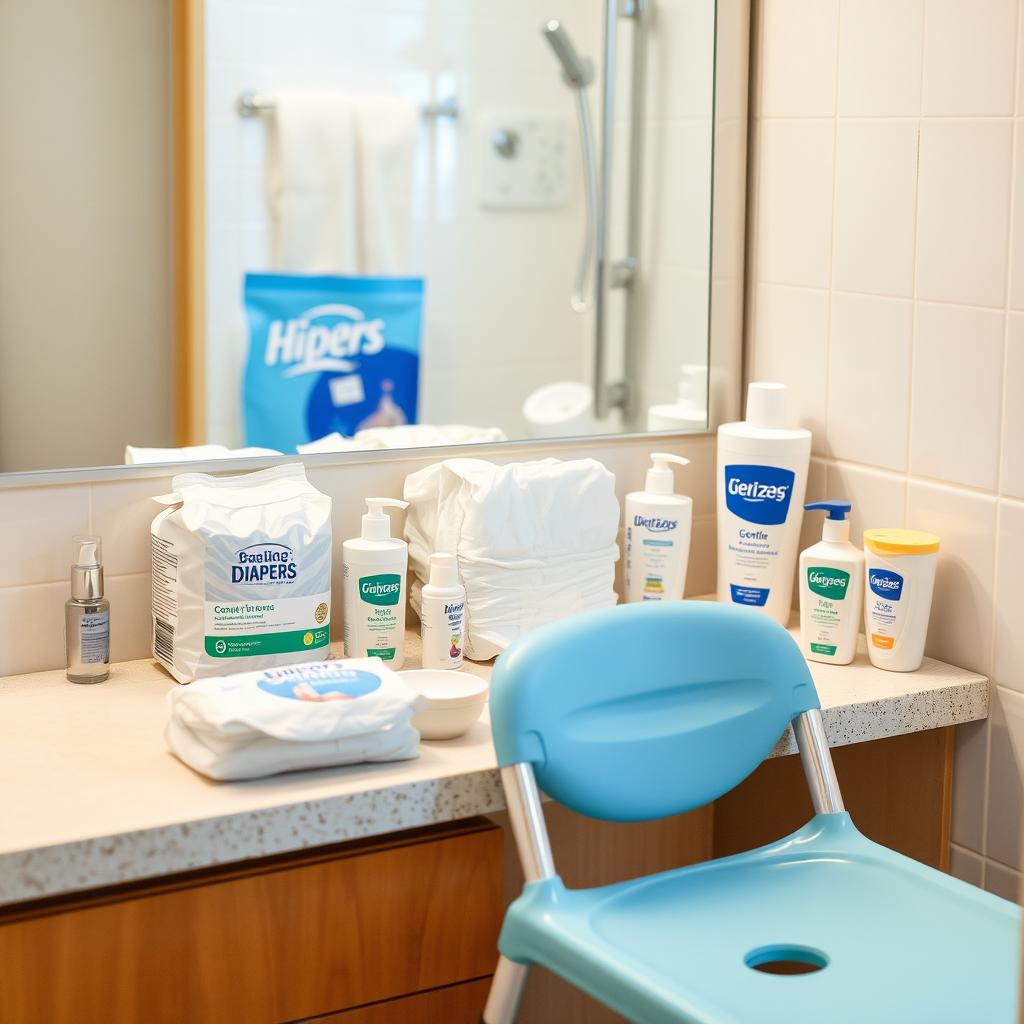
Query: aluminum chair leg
{"x": 506, "y": 992}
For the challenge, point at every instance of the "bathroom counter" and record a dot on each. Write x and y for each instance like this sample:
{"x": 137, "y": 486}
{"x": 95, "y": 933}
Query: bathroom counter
{"x": 91, "y": 796}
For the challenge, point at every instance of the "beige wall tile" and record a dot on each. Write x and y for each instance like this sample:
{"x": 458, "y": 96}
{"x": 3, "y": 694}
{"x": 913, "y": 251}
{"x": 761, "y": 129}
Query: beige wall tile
{"x": 963, "y": 209}
{"x": 876, "y": 189}
{"x": 969, "y": 786}
{"x": 130, "y": 622}
{"x": 804, "y": 87}
{"x": 790, "y": 337}
{"x": 122, "y": 512}
{"x": 869, "y": 379}
{"x": 965, "y": 865}
{"x": 969, "y": 57}
{"x": 1003, "y": 881}
{"x": 1006, "y": 798}
{"x": 960, "y": 630}
{"x": 794, "y": 233}
{"x": 32, "y": 627}
{"x": 1008, "y": 658}
{"x": 38, "y": 524}
{"x": 1016, "y": 269}
{"x": 957, "y": 394}
{"x": 1012, "y": 477}
{"x": 880, "y": 57}
{"x": 879, "y": 498}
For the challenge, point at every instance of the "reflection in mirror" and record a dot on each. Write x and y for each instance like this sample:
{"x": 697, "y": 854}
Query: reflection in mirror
{"x": 393, "y": 225}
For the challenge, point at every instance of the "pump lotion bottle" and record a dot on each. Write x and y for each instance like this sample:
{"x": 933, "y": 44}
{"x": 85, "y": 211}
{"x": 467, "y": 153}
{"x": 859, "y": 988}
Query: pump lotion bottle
{"x": 87, "y": 616}
{"x": 374, "y": 567}
{"x": 761, "y": 480}
{"x": 831, "y": 585}
{"x": 658, "y": 525}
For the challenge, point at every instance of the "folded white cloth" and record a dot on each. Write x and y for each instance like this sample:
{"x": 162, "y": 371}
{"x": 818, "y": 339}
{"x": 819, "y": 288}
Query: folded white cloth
{"x": 301, "y": 716}
{"x": 339, "y": 182}
{"x": 135, "y": 456}
{"x": 412, "y": 435}
{"x": 535, "y": 541}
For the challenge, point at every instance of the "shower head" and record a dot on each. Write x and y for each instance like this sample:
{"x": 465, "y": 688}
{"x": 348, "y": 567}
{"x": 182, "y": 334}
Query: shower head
{"x": 578, "y": 71}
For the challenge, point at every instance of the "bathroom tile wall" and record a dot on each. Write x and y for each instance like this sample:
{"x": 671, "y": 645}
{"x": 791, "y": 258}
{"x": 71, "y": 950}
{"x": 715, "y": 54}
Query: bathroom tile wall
{"x": 40, "y": 521}
{"x": 886, "y": 287}
{"x": 498, "y": 279}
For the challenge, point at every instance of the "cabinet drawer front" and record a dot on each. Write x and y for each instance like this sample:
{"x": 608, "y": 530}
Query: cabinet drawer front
{"x": 456, "y": 1004}
{"x": 278, "y": 944}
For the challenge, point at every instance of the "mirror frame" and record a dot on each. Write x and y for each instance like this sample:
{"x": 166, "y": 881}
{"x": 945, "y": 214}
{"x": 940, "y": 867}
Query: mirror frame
{"x": 727, "y": 260}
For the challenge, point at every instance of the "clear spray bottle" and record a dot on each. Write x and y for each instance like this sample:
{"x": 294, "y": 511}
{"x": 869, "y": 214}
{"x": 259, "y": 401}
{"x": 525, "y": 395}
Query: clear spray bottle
{"x": 87, "y": 616}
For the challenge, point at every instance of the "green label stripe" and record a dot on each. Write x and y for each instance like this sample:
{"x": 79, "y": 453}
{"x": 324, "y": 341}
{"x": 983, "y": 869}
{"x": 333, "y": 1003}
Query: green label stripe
{"x": 383, "y": 589}
{"x": 267, "y": 643}
{"x": 384, "y": 653}
{"x": 826, "y": 582}
{"x": 828, "y": 649}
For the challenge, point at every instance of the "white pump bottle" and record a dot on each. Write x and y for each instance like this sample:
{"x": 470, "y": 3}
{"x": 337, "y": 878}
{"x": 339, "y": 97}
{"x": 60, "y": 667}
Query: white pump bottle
{"x": 374, "y": 578}
{"x": 658, "y": 525}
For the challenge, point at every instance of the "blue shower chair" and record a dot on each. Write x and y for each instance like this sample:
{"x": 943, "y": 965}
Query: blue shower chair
{"x": 645, "y": 711}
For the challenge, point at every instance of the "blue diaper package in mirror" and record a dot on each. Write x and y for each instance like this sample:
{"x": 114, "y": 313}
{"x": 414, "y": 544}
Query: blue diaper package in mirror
{"x": 329, "y": 354}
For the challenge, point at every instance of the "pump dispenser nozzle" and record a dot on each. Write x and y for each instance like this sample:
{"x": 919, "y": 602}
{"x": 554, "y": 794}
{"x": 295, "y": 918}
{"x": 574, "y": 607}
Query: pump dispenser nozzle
{"x": 835, "y": 527}
{"x": 376, "y": 522}
{"x": 659, "y": 477}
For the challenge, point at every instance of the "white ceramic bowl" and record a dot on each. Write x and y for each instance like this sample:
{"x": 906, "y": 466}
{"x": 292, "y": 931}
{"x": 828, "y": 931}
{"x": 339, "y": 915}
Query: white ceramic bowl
{"x": 453, "y": 701}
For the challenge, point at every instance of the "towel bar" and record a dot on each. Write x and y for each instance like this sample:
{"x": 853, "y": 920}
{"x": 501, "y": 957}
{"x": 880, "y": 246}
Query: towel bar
{"x": 254, "y": 104}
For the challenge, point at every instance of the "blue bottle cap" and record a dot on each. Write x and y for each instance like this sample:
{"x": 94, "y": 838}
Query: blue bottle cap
{"x": 835, "y": 509}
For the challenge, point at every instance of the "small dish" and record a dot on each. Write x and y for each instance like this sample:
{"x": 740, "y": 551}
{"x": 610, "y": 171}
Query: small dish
{"x": 452, "y": 701}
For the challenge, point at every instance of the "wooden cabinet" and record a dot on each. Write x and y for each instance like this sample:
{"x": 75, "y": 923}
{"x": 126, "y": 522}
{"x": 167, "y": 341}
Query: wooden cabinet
{"x": 280, "y": 940}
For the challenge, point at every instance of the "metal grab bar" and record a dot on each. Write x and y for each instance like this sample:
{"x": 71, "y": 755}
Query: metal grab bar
{"x": 254, "y": 104}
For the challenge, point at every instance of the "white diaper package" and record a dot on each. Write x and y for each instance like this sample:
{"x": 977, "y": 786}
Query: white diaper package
{"x": 241, "y": 573}
{"x": 535, "y": 541}
{"x": 253, "y": 724}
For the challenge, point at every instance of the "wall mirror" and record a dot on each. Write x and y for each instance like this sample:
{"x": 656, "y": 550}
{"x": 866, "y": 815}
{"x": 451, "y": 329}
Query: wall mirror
{"x": 299, "y": 225}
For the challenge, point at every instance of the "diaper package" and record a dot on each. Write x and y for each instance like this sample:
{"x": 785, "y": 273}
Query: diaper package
{"x": 253, "y": 724}
{"x": 241, "y": 573}
{"x": 329, "y": 354}
{"x": 535, "y": 541}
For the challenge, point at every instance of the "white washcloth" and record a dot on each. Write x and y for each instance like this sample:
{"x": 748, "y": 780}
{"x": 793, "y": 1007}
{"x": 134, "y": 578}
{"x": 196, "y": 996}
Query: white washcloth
{"x": 301, "y": 716}
{"x": 135, "y": 456}
{"x": 339, "y": 182}
{"x": 410, "y": 435}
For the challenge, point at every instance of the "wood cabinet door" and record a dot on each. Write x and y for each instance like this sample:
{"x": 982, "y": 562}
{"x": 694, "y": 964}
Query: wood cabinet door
{"x": 295, "y": 938}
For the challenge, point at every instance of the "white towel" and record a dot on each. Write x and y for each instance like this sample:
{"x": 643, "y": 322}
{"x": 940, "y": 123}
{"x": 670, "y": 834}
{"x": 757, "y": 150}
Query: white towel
{"x": 339, "y": 182}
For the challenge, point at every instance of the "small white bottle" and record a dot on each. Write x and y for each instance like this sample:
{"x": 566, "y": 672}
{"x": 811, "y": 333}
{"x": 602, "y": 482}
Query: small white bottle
{"x": 831, "y": 583}
{"x": 443, "y": 614}
{"x": 658, "y": 525}
{"x": 374, "y": 567}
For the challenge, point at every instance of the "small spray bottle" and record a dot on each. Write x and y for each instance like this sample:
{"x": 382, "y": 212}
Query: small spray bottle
{"x": 87, "y": 616}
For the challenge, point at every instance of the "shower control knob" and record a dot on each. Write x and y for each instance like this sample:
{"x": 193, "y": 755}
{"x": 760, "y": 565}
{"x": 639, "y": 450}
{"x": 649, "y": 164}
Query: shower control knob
{"x": 506, "y": 142}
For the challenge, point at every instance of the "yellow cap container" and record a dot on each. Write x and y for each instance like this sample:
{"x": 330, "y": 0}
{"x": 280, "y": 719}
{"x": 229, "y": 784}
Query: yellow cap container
{"x": 900, "y": 542}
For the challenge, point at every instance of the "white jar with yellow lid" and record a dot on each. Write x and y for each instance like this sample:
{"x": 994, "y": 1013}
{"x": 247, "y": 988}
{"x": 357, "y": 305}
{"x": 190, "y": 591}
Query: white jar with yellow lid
{"x": 899, "y": 577}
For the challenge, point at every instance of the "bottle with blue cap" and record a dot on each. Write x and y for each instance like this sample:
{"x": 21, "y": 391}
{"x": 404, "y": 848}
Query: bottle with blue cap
{"x": 831, "y": 589}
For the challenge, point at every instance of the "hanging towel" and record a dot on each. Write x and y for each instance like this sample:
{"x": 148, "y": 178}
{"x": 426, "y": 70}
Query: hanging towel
{"x": 312, "y": 183}
{"x": 386, "y": 127}
{"x": 339, "y": 182}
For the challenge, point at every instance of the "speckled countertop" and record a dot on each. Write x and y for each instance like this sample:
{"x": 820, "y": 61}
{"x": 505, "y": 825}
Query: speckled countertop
{"x": 91, "y": 797}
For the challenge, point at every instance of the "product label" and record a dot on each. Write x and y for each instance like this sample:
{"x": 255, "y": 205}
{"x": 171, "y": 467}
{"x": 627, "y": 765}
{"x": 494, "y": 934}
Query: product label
{"x": 265, "y": 595}
{"x": 828, "y": 583}
{"x": 885, "y": 606}
{"x": 651, "y": 555}
{"x": 756, "y": 596}
{"x": 759, "y": 494}
{"x": 827, "y": 649}
{"x": 442, "y": 641}
{"x": 317, "y": 683}
{"x": 383, "y": 589}
{"x": 95, "y": 636}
